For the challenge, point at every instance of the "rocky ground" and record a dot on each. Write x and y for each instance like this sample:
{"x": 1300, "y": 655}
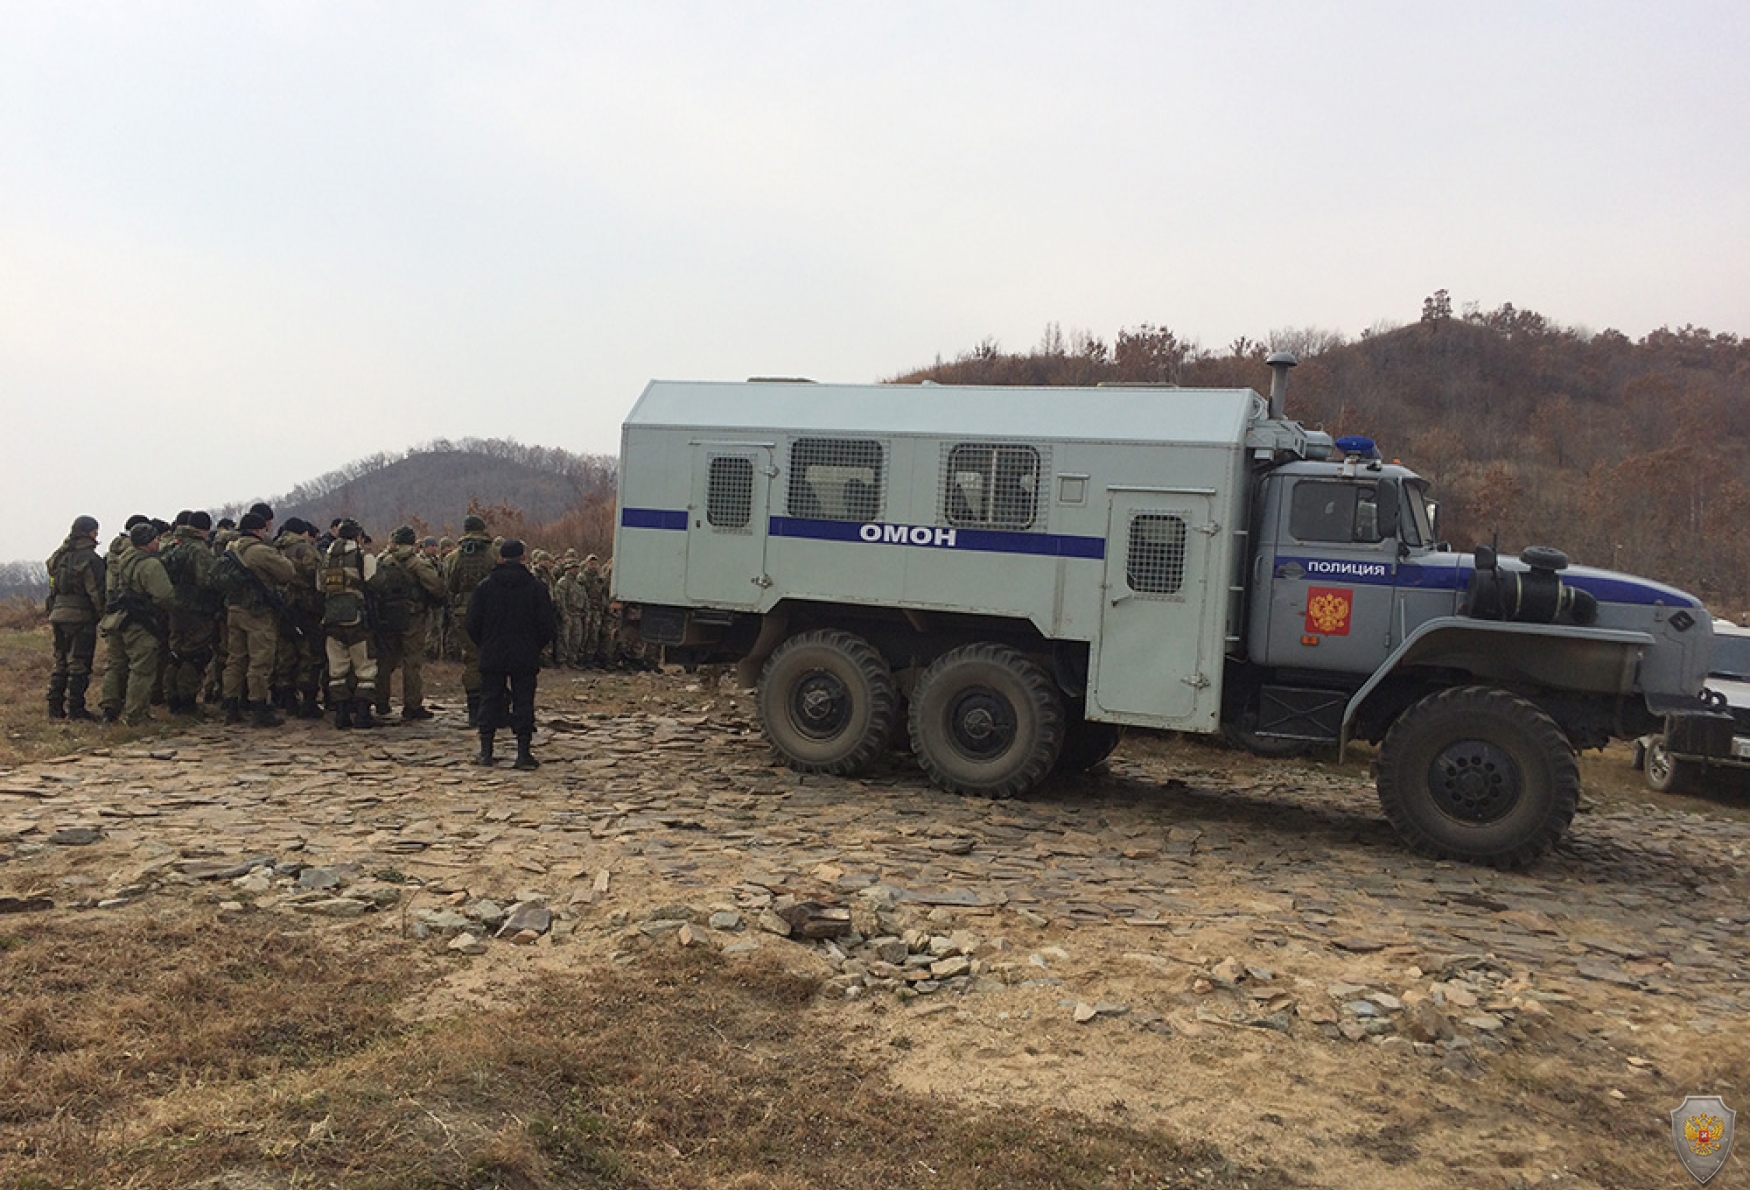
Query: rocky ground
{"x": 1237, "y": 950}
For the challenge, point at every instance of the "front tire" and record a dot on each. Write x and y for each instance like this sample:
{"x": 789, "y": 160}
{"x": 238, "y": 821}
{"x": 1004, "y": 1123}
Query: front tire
{"x": 1478, "y": 774}
{"x": 826, "y": 702}
{"x": 1665, "y": 773}
{"x": 987, "y": 721}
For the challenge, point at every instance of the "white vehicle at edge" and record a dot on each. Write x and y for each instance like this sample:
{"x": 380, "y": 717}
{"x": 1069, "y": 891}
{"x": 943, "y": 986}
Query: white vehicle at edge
{"x": 1671, "y": 769}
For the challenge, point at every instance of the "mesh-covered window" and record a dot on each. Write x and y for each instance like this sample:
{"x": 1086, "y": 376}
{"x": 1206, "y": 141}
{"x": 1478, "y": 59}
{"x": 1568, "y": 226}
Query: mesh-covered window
{"x": 835, "y": 479}
{"x": 1155, "y": 564}
{"x": 729, "y": 492}
{"x": 1323, "y": 511}
{"x": 990, "y": 484}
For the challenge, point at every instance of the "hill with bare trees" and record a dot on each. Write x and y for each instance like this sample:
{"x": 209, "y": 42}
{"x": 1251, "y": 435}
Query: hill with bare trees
{"x": 1626, "y": 453}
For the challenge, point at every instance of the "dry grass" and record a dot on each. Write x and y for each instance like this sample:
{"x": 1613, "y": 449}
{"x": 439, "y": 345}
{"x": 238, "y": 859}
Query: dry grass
{"x": 26, "y": 731}
{"x": 217, "y": 1053}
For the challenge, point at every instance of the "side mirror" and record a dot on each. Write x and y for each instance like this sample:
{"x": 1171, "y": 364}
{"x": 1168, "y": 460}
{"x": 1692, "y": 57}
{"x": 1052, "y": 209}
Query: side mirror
{"x": 1388, "y": 496}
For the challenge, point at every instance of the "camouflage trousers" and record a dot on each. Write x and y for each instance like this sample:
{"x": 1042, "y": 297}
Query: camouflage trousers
{"x": 352, "y": 663}
{"x": 404, "y": 651}
{"x": 193, "y": 638}
{"x": 132, "y": 656}
{"x": 75, "y": 649}
{"x": 251, "y": 642}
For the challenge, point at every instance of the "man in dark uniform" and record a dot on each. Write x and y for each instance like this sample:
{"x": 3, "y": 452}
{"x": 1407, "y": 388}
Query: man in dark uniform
{"x": 509, "y": 620}
{"x": 76, "y": 585}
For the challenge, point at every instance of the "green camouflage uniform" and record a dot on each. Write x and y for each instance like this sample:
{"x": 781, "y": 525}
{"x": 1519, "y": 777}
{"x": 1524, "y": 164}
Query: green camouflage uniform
{"x": 194, "y": 621}
{"x": 252, "y": 627}
{"x": 76, "y": 586}
{"x": 472, "y": 561}
{"x": 298, "y": 661}
{"x": 594, "y": 648}
{"x": 404, "y": 611}
{"x": 133, "y": 626}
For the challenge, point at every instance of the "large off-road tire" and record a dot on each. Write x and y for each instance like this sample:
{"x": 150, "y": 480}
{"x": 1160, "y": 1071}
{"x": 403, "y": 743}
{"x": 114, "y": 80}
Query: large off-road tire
{"x": 1478, "y": 774}
{"x": 826, "y": 702}
{"x": 987, "y": 721}
{"x": 1665, "y": 773}
{"x": 1086, "y": 744}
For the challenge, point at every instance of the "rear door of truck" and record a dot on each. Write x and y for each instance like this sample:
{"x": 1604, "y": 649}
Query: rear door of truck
{"x": 1148, "y": 665}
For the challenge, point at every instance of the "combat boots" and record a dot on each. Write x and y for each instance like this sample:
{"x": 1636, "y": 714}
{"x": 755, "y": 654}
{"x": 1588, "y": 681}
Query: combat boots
{"x": 233, "y": 708}
{"x": 524, "y": 758}
{"x": 485, "y": 758}
{"x": 473, "y": 710}
{"x": 57, "y": 706}
{"x": 76, "y": 686}
{"x": 415, "y": 713}
{"x": 310, "y": 708}
{"x": 361, "y": 714}
{"x": 342, "y": 712}
{"x": 262, "y": 714}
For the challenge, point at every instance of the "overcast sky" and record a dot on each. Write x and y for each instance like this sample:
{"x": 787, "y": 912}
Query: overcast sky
{"x": 242, "y": 244}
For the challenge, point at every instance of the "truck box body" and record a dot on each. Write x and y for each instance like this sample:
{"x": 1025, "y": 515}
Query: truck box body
{"x": 1106, "y": 516}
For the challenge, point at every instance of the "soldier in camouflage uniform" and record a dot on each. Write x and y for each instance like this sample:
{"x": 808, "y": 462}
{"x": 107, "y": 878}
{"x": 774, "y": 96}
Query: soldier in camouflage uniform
{"x": 252, "y": 625}
{"x": 406, "y": 588}
{"x": 473, "y": 559}
{"x": 224, "y": 533}
{"x": 76, "y": 599}
{"x": 188, "y": 561}
{"x": 139, "y": 593}
{"x": 593, "y": 651}
{"x": 352, "y": 661}
{"x": 298, "y": 662}
{"x": 567, "y": 604}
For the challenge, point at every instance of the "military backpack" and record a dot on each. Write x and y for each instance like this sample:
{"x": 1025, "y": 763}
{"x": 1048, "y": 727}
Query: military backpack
{"x": 183, "y": 569}
{"x": 234, "y": 582}
{"x": 471, "y": 563}
{"x": 395, "y": 593}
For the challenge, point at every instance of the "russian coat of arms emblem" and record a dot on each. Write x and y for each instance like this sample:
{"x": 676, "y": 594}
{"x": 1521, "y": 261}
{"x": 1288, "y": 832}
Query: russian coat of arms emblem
{"x": 1701, "y": 1131}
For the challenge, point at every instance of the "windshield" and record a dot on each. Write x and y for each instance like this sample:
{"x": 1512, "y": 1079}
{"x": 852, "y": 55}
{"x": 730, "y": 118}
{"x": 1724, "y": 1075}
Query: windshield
{"x": 1418, "y": 527}
{"x": 1731, "y": 657}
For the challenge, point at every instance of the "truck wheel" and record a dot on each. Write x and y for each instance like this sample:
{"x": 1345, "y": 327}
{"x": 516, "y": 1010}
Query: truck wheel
{"x": 826, "y": 701}
{"x": 1665, "y": 773}
{"x": 1086, "y": 744}
{"x": 1478, "y": 774}
{"x": 985, "y": 720}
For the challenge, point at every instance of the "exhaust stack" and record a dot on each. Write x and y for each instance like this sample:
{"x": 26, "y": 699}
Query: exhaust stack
{"x": 1280, "y": 362}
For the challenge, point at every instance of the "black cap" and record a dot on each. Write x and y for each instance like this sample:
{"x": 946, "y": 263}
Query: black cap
{"x": 512, "y": 548}
{"x": 252, "y": 522}
{"x": 201, "y": 520}
{"x": 349, "y": 529}
{"x": 262, "y": 509}
{"x": 143, "y": 534}
{"x": 403, "y": 535}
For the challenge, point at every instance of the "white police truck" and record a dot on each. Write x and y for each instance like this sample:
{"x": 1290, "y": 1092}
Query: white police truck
{"x": 1004, "y": 578}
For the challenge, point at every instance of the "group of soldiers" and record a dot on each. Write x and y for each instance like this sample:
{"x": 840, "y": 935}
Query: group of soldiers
{"x": 273, "y": 621}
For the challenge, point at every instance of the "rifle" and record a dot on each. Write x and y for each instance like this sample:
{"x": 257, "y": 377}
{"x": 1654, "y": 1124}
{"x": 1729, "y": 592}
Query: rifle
{"x": 276, "y": 604}
{"x": 135, "y": 609}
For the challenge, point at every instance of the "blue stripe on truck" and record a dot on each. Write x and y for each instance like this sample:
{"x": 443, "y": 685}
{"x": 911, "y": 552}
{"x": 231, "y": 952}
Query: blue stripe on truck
{"x": 941, "y": 537}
